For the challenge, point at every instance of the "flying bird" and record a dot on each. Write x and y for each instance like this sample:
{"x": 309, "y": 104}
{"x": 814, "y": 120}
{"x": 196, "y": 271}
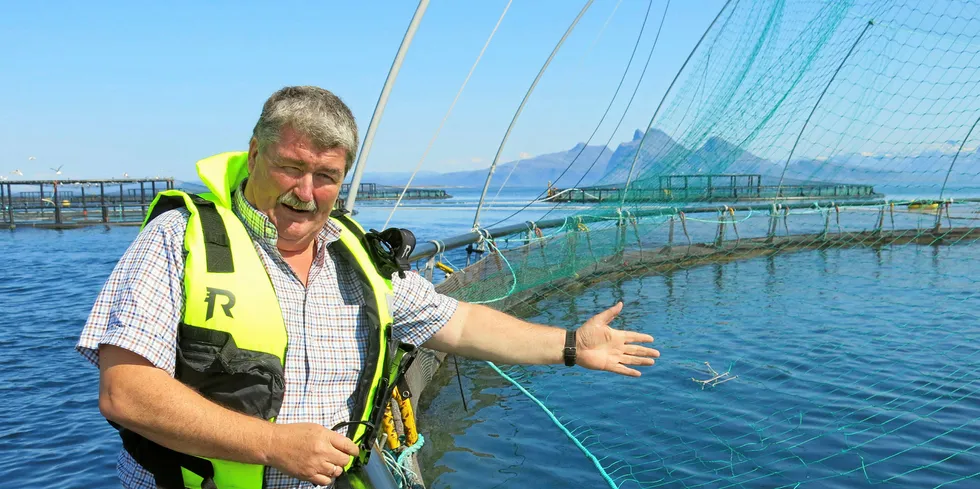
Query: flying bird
{"x": 18, "y": 172}
{"x": 57, "y": 171}
{"x": 29, "y": 158}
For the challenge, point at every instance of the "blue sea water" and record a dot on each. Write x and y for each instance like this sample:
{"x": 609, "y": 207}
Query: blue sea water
{"x": 849, "y": 368}
{"x": 855, "y": 368}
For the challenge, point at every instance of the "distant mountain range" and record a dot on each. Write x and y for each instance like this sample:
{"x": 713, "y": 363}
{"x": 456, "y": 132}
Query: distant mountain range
{"x": 662, "y": 155}
{"x": 589, "y": 162}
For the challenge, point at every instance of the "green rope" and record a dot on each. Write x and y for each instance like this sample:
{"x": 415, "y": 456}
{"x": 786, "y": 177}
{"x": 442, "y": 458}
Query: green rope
{"x": 559, "y": 424}
{"x": 410, "y": 450}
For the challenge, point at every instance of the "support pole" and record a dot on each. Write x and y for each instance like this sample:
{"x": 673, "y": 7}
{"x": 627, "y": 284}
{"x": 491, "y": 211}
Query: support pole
{"x": 817, "y": 104}
{"x": 503, "y": 142}
{"x": 957, "y": 155}
{"x": 639, "y": 147}
{"x": 720, "y": 237}
{"x": 10, "y": 208}
{"x": 773, "y": 219}
{"x": 57, "y": 204}
{"x": 380, "y": 107}
{"x": 105, "y": 210}
{"x": 826, "y": 225}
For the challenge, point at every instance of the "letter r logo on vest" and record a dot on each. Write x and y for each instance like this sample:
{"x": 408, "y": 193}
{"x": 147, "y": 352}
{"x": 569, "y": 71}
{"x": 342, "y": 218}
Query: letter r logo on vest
{"x": 212, "y": 297}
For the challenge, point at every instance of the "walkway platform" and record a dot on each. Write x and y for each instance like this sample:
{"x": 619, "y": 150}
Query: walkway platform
{"x": 712, "y": 188}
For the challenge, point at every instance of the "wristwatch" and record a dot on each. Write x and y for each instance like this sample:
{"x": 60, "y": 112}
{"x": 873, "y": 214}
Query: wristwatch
{"x": 569, "y": 351}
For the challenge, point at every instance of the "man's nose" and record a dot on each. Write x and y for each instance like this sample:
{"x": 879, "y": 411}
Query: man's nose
{"x": 304, "y": 188}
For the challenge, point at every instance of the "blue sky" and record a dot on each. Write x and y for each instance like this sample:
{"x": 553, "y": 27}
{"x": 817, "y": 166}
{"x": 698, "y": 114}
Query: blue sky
{"x": 147, "y": 89}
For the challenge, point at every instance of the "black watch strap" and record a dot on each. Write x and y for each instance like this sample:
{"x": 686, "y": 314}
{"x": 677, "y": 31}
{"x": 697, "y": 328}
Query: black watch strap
{"x": 569, "y": 351}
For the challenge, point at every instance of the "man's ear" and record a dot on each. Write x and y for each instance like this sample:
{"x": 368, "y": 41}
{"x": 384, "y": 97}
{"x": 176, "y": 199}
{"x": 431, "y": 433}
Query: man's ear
{"x": 253, "y": 153}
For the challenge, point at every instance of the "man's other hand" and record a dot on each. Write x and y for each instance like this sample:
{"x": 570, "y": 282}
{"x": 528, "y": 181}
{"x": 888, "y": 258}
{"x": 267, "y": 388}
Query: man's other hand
{"x": 310, "y": 452}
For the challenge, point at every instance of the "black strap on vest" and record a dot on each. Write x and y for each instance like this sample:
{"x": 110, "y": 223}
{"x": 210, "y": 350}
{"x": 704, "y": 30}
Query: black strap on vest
{"x": 366, "y": 377}
{"x": 162, "y": 462}
{"x": 389, "y": 254}
{"x": 216, "y": 244}
{"x": 165, "y": 463}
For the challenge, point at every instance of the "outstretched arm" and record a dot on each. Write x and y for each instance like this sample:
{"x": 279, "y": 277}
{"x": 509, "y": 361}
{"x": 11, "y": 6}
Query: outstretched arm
{"x": 482, "y": 333}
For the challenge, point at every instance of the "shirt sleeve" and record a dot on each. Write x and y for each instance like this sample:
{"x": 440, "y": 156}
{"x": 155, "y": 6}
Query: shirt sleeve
{"x": 141, "y": 302}
{"x": 419, "y": 311}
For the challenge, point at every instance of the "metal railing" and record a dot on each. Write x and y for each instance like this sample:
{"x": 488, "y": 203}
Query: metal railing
{"x": 710, "y": 193}
{"x": 431, "y": 248}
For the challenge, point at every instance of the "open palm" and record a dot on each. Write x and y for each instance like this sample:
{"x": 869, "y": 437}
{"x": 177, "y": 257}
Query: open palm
{"x": 600, "y": 347}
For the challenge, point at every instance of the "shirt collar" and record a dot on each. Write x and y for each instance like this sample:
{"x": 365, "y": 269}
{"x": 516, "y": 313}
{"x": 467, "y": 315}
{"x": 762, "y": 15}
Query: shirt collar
{"x": 261, "y": 229}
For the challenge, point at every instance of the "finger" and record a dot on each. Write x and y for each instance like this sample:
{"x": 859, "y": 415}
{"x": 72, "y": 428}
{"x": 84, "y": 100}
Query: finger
{"x": 344, "y": 444}
{"x": 634, "y": 337}
{"x": 631, "y": 360}
{"x": 338, "y": 458}
{"x": 623, "y": 370}
{"x": 641, "y": 351}
{"x": 609, "y": 314}
{"x": 321, "y": 480}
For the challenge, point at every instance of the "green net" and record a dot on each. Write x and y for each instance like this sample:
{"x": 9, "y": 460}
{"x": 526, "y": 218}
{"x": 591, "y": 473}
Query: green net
{"x": 794, "y": 126}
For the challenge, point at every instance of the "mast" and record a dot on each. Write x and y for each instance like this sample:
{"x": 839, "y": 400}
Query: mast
{"x": 380, "y": 108}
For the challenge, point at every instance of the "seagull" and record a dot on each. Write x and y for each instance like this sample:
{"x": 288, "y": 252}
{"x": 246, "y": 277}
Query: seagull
{"x": 125, "y": 175}
{"x": 31, "y": 158}
{"x": 57, "y": 171}
{"x": 18, "y": 172}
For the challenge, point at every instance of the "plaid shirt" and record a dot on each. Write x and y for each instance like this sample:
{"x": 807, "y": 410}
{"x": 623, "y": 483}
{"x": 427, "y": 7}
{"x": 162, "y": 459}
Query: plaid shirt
{"x": 142, "y": 301}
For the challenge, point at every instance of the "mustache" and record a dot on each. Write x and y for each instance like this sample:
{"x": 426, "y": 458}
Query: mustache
{"x": 293, "y": 201}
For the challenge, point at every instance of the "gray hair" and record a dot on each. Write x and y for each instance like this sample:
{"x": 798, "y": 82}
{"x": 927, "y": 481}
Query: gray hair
{"x": 312, "y": 111}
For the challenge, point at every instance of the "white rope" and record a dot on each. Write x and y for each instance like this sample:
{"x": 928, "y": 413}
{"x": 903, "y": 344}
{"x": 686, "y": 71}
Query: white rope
{"x": 448, "y": 112}
{"x": 601, "y": 31}
{"x": 502, "y": 185}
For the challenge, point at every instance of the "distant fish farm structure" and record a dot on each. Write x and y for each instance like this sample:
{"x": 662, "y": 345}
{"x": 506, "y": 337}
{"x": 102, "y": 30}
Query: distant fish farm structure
{"x": 67, "y": 204}
{"x": 712, "y": 188}
{"x": 373, "y": 191}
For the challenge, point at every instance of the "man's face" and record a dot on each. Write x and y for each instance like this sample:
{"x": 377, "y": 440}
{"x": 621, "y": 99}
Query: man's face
{"x": 296, "y": 185}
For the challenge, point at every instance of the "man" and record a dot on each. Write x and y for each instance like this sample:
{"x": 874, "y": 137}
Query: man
{"x": 255, "y": 305}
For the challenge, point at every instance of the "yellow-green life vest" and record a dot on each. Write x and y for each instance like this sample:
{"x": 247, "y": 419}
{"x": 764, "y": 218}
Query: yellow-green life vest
{"x": 232, "y": 339}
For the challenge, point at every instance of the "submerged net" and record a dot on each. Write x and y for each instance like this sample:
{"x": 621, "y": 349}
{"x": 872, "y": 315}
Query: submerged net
{"x": 794, "y": 125}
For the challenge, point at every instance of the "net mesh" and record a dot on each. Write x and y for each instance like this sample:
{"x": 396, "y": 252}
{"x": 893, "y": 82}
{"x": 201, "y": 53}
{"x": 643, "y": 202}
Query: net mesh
{"x": 795, "y": 126}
